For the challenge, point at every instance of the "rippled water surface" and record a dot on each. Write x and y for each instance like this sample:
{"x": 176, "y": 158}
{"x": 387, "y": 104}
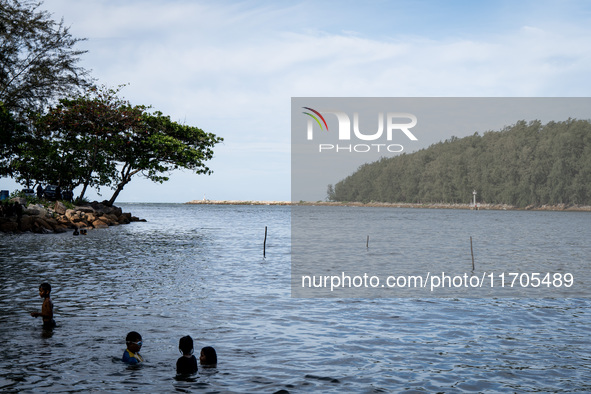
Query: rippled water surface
{"x": 199, "y": 270}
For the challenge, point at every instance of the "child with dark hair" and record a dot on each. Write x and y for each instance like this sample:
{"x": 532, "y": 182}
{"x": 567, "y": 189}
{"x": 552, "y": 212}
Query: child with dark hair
{"x": 47, "y": 307}
{"x": 131, "y": 355}
{"x": 208, "y": 357}
{"x": 187, "y": 363}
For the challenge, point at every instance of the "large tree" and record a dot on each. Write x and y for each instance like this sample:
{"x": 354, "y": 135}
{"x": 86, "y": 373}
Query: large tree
{"x": 38, "y": 62}
{"x": 157, "y": 146}
{"x": 83, "y": 135}
{"x": 98, "y": 139}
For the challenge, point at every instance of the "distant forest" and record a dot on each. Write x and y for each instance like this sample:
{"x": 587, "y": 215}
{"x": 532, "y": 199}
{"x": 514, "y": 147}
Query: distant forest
{"x": 522, "y": 165}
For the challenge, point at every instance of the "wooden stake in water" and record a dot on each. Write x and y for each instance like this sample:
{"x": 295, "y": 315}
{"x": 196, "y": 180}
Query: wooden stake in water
{"x": 472, "y": 251}
{"x": 367, "y": 243}
{"x": 265, "y": 242}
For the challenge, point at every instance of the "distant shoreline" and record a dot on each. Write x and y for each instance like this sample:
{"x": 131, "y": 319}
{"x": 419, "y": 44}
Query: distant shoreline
{"x": 481, "y": 206}
{"x": 238, "y": 202}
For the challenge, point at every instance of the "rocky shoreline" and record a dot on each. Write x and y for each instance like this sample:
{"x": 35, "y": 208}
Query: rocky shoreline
{"x": 59, "y": 219}
{"x": 480, "y": 206}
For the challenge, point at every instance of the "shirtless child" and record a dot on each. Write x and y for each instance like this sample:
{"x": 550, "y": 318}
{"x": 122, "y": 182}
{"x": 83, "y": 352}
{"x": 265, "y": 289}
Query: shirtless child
{"x": 47, "y": 307}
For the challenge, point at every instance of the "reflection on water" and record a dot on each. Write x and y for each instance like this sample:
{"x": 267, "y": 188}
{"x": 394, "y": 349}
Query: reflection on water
{"x": 199, "y": 271}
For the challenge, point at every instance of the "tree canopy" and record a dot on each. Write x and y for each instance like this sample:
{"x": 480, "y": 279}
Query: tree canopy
{"x": 9, "y": 129}
{"x": 523, "y": 164}
{"x": 97, "y": 139}
{"x": 82, "y": 134}
{"x": 56, "y": 128}
{"x": 157, "y": 145}
{"x": 38, "y": 62}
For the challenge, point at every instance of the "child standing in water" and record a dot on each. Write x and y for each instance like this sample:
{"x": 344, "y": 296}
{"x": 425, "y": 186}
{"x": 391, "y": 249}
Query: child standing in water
{"x": 47, "y": 307}
{"x": 187, "y": 364}
{"x": 131, "y": 355}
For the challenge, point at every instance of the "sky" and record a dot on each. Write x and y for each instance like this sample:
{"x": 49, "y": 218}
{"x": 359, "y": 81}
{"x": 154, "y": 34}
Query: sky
{"x": 232, "y": 67}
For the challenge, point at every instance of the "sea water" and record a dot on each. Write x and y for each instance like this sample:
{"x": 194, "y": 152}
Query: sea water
{"x": 199, "y": 270}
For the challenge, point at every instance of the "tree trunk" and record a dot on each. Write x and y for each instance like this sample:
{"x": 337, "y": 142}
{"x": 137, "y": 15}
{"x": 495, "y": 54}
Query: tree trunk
{"x": 83, "y": 191}
{"x": 117, "y": 191}
{"x": 126, "y": 174}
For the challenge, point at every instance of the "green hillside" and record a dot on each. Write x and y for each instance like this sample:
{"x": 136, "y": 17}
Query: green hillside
{"x": 521, "y": 165}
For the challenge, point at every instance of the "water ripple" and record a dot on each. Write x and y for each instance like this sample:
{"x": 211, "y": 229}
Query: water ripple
{"x": 205, "y": 276}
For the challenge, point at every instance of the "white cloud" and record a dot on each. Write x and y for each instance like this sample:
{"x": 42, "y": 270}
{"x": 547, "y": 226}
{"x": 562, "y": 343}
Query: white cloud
{"x": 231, "y": 68}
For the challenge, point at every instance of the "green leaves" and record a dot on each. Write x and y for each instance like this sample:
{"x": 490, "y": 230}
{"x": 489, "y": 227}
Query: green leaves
{"x": 38, "y": 62}
{"x": 99, "y": 140}
{"x": 525, "y": 164}
{"x": 155, "y": 146}
{"x": 91, "y": 138}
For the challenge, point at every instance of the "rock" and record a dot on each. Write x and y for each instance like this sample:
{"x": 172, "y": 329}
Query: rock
{"x": 74, "y": 216}
{"x": 123, "y": 220}
{"x": 59, "y": 207}
{"x": 52, "y": 222}
{"x": 109, "y": 220}
{"x": 41, "y": 230}
{"x": 31, "y": 211}
{"x": 107, "y": 210}
{"x": 35, "y": 210}
{"x": 59, "y": 219}
{"x": 85, "y": 209}
{"x": 112, "y": 217}
{"x": 8, "y": 226}
{"x": 136, "y": 219}
{"x": 26, "y": 223}
{"x": 20, "y": 200}
{"x": 105, "y": 220}
{"x": 100, "y": 207}
{"x": 99, "y": 224}
{"x": 63, "y": 221}
{"x": 60, "y": 229}
{"x": 41, "y": 223}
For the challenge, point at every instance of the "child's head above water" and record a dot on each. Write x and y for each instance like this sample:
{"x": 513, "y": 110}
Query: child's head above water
{"x": 44, "y": 289}
{"x": 186, "y": 345}
{"x": 208, "y": 357}
{"x": 134, "y": 341}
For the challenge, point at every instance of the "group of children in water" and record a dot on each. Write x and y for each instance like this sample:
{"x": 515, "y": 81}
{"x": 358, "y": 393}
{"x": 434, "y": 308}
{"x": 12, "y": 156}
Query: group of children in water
{"x": 185, "y": 365}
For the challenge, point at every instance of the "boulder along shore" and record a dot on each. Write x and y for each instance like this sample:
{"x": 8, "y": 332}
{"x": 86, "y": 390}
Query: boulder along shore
{"x": 21, "y": 218}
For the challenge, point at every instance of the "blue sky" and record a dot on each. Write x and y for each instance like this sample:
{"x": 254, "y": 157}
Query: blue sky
{"x": 231, "y": 67}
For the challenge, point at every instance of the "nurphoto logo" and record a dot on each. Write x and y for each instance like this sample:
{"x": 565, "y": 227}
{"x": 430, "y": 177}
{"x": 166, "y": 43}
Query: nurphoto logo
{"x": 395, "y": 122}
